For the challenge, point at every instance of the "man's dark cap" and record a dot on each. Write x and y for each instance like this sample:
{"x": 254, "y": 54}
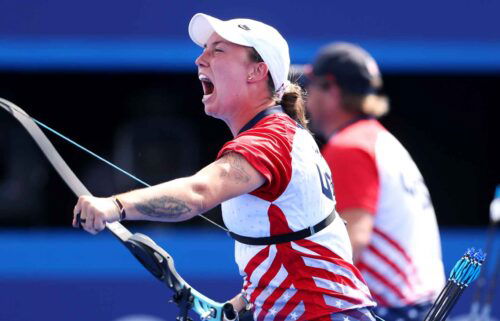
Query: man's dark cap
{"x": 352, "y": 67}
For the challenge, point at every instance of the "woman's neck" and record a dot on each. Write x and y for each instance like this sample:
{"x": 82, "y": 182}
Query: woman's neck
{"x": 246, "y": 113}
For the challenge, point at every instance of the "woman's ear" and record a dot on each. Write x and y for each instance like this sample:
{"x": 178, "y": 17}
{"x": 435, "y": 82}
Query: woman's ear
{"x": 257, "y": 72}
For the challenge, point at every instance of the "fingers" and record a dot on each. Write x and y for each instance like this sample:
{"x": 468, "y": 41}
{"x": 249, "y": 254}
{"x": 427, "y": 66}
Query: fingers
{"x": 77, "y": 221}
{"x": 76, "y": 213}
{"x": 88, "y": 216}
{"x": 93, "y": 221}
{"x": 99, "y": 224}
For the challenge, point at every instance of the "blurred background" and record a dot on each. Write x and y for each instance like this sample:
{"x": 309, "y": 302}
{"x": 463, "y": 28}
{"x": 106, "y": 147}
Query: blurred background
{"x": 119, "y": 78}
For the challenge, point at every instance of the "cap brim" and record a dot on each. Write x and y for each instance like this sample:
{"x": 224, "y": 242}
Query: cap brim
{"x": 202, "y": 26}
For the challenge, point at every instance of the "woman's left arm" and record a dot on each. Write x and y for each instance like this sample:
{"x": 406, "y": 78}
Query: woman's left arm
{"x": 176, "y": 200}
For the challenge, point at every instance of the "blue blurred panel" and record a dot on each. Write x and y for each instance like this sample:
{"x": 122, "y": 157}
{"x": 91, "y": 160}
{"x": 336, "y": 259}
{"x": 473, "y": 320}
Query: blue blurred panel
{"x": 114, "y": 299}
{"x": 109, "y": 299}
{"x": 179, "y": 55}
{"x": 97, "y": 54}
{"x": 152, "y": 35}
{"x": 76, "y": 254}
{"x": 70, "y": 275}
{"x": 392, "y": 19}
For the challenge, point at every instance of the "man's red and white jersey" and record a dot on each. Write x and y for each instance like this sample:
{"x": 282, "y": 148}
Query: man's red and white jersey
{"x": 307, "y": 279}
{"x": 373, "y": 171}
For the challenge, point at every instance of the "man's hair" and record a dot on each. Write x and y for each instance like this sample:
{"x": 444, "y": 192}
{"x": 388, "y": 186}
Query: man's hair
{"x": 371, "y": 104}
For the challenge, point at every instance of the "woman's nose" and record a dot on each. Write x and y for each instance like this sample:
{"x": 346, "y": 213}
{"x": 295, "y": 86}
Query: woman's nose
{"x": 202, "y": 60}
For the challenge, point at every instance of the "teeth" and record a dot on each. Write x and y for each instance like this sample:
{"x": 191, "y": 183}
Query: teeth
{"x": 202, "y": 77}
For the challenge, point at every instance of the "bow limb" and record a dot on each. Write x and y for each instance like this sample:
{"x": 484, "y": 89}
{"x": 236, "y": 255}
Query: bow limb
{"x": 57, "y": 161}
{"x": 155, "y": 259}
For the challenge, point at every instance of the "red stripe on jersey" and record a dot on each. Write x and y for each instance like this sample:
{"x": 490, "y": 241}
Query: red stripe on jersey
{"x": 309, "y": 293}
{"x": 254, "y": 263}
{"x": 401, "y": 250}
{"x": 302, "y": 280}
{"x": 380, "y": 300}
{"x": 289, "y": 306}
{"x": 328, "y": 255}
{"x": 384, "y": 281}
{"x": 271, "y": 300}
{"x": 395, "y": 244}
{"x": 312, "y": 299}
{"x": 330, "y": 276}
{"x": 266, "y": 279}
{"x": 341, "y": 296}
{"x": 393, "y": 265}
{"x": 278, "y": 221}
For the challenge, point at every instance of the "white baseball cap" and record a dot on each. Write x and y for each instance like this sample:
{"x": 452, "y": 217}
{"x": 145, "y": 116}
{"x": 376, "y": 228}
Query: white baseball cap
{"x": 266, "y": 40}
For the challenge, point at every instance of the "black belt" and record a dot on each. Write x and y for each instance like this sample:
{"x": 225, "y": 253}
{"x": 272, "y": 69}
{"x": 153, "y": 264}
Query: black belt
{"x": 283, "y": 238}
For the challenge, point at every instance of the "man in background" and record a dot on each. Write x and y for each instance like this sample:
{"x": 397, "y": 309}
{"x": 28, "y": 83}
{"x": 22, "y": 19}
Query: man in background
{"x": 379, "y": 189}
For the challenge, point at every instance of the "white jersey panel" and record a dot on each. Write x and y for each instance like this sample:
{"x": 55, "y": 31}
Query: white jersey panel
{"x": 309, "y": 197}
{"x": 402, "y": 183}
{"x": 306, "y": 201}
{"x": 288, "y": 280}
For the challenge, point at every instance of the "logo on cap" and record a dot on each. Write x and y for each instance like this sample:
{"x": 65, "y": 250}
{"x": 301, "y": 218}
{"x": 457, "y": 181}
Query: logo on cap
{"x": 244, "y": 27}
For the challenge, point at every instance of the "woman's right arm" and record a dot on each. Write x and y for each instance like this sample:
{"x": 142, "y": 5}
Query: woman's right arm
{"x": 184, "y": 198}
{"x": 176, "y": 200}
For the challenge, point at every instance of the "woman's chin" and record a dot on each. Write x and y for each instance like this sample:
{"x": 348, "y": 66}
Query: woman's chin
{"x": 209, "y": 103}
{"x": 210, "y": 109}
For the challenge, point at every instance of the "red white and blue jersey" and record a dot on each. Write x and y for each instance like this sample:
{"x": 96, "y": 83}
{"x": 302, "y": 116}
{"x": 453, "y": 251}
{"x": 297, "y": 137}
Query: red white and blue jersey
{"x": 308, "y": 279}
{"x": 373, "y": 171}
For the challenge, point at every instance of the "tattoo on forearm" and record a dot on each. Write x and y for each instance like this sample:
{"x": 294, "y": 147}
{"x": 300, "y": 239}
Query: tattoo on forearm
{"x": 236, "y": 169}
{"x": 163, "y": 207}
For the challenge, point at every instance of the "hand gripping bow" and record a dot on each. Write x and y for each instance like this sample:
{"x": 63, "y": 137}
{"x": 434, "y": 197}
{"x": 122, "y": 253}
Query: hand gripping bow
{"x": 155, "y": 259}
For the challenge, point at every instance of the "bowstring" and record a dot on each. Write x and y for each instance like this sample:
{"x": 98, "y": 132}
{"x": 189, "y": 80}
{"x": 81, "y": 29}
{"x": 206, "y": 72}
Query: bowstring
{"x": 109, "y": 163}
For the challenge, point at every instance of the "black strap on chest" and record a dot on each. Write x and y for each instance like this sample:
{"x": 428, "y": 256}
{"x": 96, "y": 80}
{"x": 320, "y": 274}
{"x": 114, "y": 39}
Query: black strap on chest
{"x": 283, "y": 238}
{"x": 266, "y": 112}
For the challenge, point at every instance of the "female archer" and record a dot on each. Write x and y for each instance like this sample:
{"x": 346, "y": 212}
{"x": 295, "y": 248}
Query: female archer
{"x": 271, "y": 180}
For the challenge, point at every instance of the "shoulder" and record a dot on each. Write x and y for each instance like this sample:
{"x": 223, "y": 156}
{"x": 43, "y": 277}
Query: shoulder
{"x": 276, "y": 124}
{"x": 360, "y": 136}
{"x": 273, "y": 133}
{"x": 267, "y": 146}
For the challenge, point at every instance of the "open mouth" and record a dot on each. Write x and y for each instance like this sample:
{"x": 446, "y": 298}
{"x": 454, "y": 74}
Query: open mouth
{"x": 208, "y": 86}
